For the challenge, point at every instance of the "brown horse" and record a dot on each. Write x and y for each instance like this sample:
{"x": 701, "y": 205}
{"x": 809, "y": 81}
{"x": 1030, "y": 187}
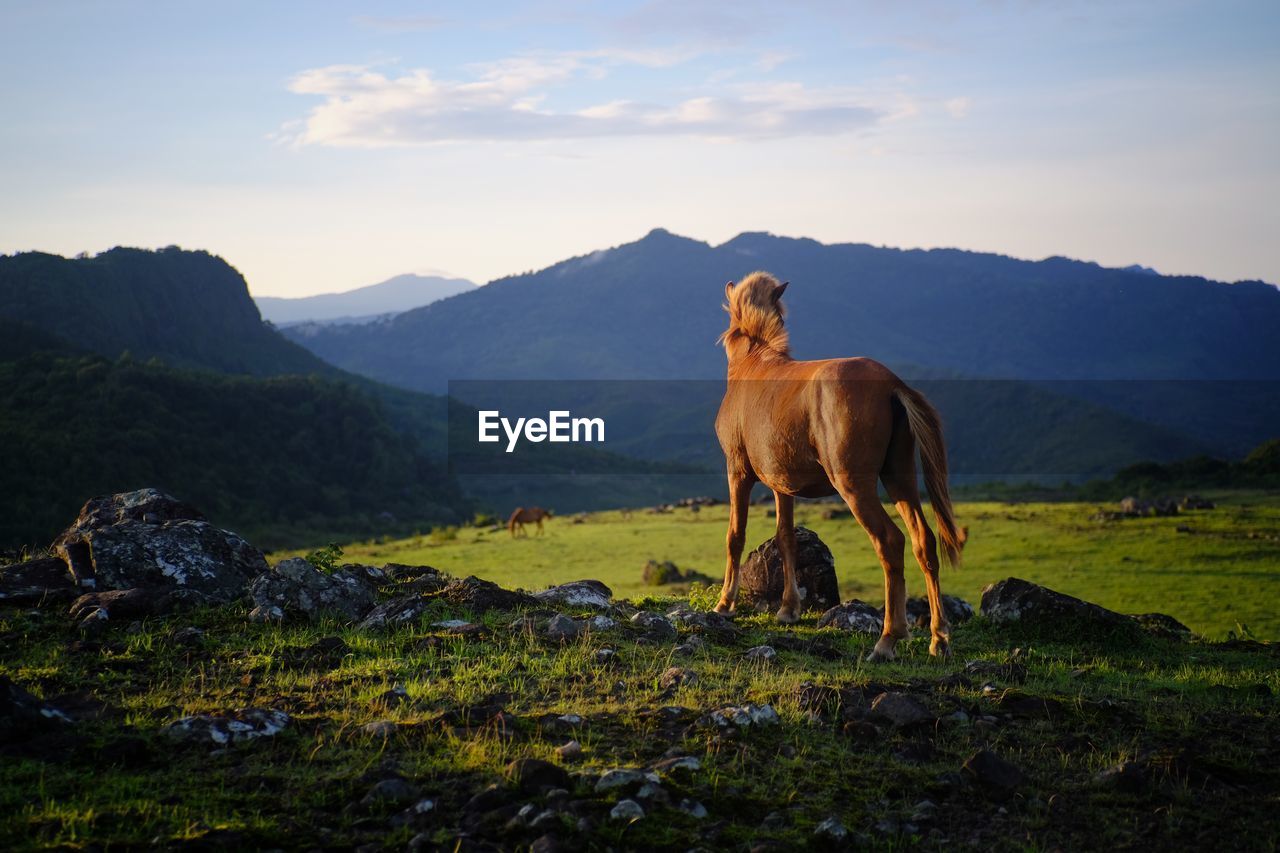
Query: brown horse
{"x": 521, "y": 516}
{"x": 815, "y": 428}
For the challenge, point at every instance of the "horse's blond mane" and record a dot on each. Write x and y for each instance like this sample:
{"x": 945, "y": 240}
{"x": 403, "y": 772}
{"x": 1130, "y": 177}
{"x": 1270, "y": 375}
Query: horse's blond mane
{"x": 756, "y": 313}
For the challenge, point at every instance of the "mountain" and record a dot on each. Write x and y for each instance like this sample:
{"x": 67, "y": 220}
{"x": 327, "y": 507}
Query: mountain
{"x": 362, "y": 304}
{"x": 1193, "y": 359}
{"x": 190, "y": 309}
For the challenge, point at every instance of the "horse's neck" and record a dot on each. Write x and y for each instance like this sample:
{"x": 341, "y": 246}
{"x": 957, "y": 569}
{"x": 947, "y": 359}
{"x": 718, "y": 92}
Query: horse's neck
{"x": 759, "y": 364}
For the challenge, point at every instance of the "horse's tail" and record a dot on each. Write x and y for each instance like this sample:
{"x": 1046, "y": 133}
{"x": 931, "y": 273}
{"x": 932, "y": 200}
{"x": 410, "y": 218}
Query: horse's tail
{"x": 511, "y": 522}
{"x": 926, "y": 426}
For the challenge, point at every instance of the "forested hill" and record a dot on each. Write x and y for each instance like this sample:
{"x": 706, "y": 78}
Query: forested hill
{"x": 651, "y": 309}
{"x": 189, "y": 308}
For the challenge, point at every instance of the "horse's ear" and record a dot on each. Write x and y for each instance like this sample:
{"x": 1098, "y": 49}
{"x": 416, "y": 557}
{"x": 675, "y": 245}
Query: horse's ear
{"x": 728, "y": 290}
{"x": 779, "y": 290}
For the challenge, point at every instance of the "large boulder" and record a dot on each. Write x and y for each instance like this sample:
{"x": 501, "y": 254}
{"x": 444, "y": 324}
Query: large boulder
{"x": 35, "y": 582}
{"x": 481, "y": 596}
{"x": 761, "y": 575}
{"x": 1017, "y": 600}
{"x": 297, "y": 588}
{"x": 920, "y": 614}
{"x": 148, "y": 539}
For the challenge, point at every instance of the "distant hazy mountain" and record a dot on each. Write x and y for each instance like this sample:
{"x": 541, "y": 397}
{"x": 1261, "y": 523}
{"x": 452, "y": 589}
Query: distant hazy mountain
{"x": 365, "y": 303}
{"x": 651, "y": 310}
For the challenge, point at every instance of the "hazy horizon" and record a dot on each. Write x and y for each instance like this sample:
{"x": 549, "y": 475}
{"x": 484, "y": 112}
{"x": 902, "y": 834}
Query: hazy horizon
{"x": 320, "y": 150}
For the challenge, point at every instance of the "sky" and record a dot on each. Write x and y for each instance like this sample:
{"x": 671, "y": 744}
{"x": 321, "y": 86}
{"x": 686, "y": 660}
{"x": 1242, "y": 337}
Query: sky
{"x": 322, "y": 146}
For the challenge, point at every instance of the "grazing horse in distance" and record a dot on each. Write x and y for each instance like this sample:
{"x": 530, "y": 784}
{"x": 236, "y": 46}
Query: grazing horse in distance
{"x": 816, "y": 428}
{"x": 521, "y": 516}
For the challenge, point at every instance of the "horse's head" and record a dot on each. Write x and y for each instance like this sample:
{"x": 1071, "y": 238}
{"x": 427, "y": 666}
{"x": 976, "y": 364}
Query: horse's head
{"x": 755, "y": 316}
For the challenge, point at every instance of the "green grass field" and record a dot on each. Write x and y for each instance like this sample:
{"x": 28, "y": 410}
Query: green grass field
{"x": 1220, "y": 576}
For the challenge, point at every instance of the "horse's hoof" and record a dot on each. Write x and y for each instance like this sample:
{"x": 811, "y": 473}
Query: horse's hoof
{"x": 723, "y": 609}
{"x": 878, "y": 656}
{"x": 788, "y": 617}
{"x": 940, "y": 648}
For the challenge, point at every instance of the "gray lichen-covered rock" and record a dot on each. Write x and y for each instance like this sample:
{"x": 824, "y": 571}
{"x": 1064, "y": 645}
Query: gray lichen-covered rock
{"x": 854, "y": 615}
{"x": 148, "y": 539}
{"x": 584, "y": 593}
{"x": 1017, "y": 600}
{"x": 401, "y": 610}
{"x": 246, "y": 724}
{"x": 35, "y": 582}
{"x": 21, "y": 712}
{"x": 761, "y": 574}
{"x": 298, "y": 588}
{"x": 481, "y": 596}
{"x": 743, "y": 716}
{"x": 957, "y": 610}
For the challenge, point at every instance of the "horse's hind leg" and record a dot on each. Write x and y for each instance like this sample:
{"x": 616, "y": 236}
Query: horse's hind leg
{"x": 889, "y": 543}
{"x": 899, "y": 478}
{"x": 739, "y": 502}
{"x": 789, "y": 612}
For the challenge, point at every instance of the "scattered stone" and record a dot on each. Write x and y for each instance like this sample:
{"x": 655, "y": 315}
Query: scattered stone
{"x": 148, "y": 539}
{"x": 379, "y": 728}
{"x": 605, "y": 656}
{"x": 924, "y": 811}
{"x": 900, "y": 710}
{"x": 562, "y": 628}
{"x": 656, "y": 628}
{"x": 570, "y": 751}
{"x": 601, "y": 623}
{"x": 533, "y": 775}
{"x": 662, "y": 573}
{"x": 22, "y": 712}
{"x": 831, "y": 829}
{"x": 235, "y": 727}
{"x": 298, "y": 588}
{"x": 704, "y": 621}
{"x": 393, "y": 791}
{"x": 586, "y": 593}
{"x": 743, "y": 716}
{"x": 761, "y": 654}
{"x": 693, "y": 808}
{"x": 398, "y": 611}
{"x": 392, "y": 698}
{"x": 266, "y": 615}
{"x": 854, "y": 615}
{"x": 762, "y": 575}
{"x": 481, "y": 596}
{"x": 1016, "y": 600}
{"x": 692, "y": 645}
{"x": 989, "y": 769}
{"x": 139, "y": 603}
{"x": 628, "y": 810}
{"x": 623, "y": 777}
{"x": 677, "y": 764}
{"x": 34, "y": 583}
{"x": 1128, "y": 776}
{"x": 677, "y": 676}
{"x": 957, "y": 611}
{"x": 190, "y": 636}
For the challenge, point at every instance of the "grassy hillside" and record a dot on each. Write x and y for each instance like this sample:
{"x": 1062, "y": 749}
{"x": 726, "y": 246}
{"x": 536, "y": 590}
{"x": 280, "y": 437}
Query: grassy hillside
{"x": 1218, "y": 575}
{"x": 1118, "y": 741}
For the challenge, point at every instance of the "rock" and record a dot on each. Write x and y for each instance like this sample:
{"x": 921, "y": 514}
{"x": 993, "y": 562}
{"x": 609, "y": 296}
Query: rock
{"x": 743, "y": 716}
{"x": 379, "y": 728}
{"x": 533, "y": 775}
{"x": 570, "y": 751}
{"x": 1016, "y": 600}
{"x": 586, "y": 593}
{"x": 761, "y": 654}
{"x": 761, "y": 575}
{"x": 693, "y": 808}
{"x": 1162, "y": 625}
{"x": 605, "y": 656}
{"x": 22, "y": 712}
{"x": 1195, "y": 502}
{"x": 36, "y": 582}
{"x": 989, "y": 769}
{"x": 661, "y": 573}
{"x": 138, "y": 603}
{"x": 831, "y": 829}
{"x": 854, "y": 615}
{"x": 401, "y": 610}
{"x": 298, "y": 588}
{"x": 148, "y": 539}
{"x": 562, "y": 628}
{"x": 656, "y": 628}
{"x": 394, "y": 791}
{"x": 623, "y": 778}
{"x": 900, "y": 710}
{"x": 628, "y": 810}
{"x": 392, "y": 698}
{"x": 1128, "y": 776}
{"x": 601, "y": 623}
{"x": 677, "y": 676}
{"x": 704, "y": 621}
{"x": 221, "y": 729}
{"x": 957, "y": 611}
{"x": 693, "y": 645}
{"x": 481, "y": 596}
{"x": 677, "y": 764}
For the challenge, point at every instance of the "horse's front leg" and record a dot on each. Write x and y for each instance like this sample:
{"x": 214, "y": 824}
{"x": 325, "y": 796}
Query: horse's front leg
{"x": 739, "y": 502}
{"x": 789, "y": 612}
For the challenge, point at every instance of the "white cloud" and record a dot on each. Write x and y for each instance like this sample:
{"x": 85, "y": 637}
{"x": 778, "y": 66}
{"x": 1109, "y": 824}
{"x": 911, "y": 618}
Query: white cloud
{"x": 366, "y": 108}
{"x": 958, "y": 107}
